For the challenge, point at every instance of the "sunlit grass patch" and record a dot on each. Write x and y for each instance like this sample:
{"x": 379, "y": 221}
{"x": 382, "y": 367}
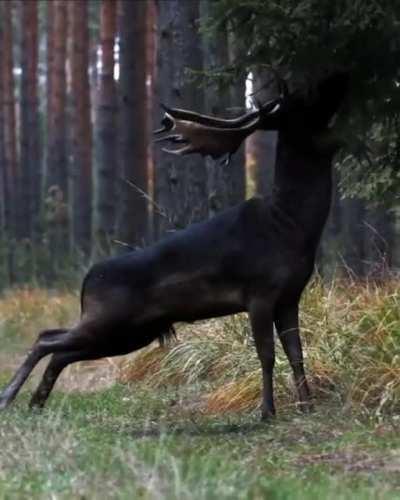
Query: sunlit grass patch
{"x": 24, "y": 312}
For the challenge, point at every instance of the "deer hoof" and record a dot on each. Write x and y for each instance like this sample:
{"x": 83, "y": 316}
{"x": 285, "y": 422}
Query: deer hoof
{"x": 306, "y": 407}
{"x": 267, "y": 415}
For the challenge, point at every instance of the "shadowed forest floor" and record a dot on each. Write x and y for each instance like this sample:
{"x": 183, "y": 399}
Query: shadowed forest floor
{"x": 183, "y": 421}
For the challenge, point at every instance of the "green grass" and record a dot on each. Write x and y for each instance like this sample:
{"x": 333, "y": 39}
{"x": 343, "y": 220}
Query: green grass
{"x": 185, "y": 422}
{"x": 136, "y": 443}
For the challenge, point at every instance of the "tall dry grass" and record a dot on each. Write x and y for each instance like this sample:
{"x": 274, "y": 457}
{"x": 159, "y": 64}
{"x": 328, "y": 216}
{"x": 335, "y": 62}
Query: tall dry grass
{"x": 351, "y": 337}
{"x": 350, "y": 331}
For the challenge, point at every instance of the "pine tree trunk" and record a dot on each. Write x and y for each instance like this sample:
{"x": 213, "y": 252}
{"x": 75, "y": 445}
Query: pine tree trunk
{"x": 2, "y": 153}
{"x": 81, "y": 129}
{"x": 57, "y": 165}
{"x": 29, "y": 200}
{"x": 353, "y": 234}
{"x": 10, "y": 149}
{"x": 181, "y": 183}
{"x": 133, "y": 215}
{"x": 106, "y": 136}
{"x": 217, "y": 101}
{"x": 151, "y": 52}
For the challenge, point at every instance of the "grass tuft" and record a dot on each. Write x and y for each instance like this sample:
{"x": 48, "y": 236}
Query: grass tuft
{"x": 351, "y": 337}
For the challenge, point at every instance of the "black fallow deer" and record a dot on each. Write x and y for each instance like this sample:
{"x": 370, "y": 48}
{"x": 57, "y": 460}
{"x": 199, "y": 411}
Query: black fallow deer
{"x": 255, "y": 257}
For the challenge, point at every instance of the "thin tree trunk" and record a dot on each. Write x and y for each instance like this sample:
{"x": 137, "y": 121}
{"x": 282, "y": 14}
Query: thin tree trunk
{"x": 29, "y": 200}
{"x": 106, "y": 136}
{"x": 217, "y": 102}
{"x": 353, "y": 233}
{"x": 56, "y": 172}
{"x": 181, "y": 183}
{"x": 49, "y": 71}
{"x": 151, "y": 52}
{"x": 81, "y": 129}
{"x": 2, "y": 153}
{"x": 133, "y": 216}
{"x": 10, "y": 149}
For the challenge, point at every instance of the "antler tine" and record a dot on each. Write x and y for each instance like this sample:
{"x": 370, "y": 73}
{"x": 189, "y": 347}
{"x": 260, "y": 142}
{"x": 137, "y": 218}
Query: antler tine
{"x": 182, "y": 151}
{"x": 175, "y": 138}
{"x": 168, "y": 123}
{"x": 209, "y": 120}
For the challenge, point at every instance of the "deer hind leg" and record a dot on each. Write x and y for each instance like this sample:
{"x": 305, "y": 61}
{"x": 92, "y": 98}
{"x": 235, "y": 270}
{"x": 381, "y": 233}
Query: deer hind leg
{"x": 48, "y": 342}
{"x": 56, "y": 365}
{"x": 39, "y": 350}
{"x": 80, "y": 343}
{"x": 287, "y": 325}
{"x": 261, "y": 319}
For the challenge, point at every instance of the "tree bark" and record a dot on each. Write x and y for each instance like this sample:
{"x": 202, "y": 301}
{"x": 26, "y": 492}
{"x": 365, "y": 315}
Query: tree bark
{"x": 29, "y": 200}
{"x": 353, "y": 234}
{"x": 151, "y": 74}
{"x": 10, "y": 148}
{"x": 218, "y": 98}
{"x": 106, "y": 136}
{"x": 56, "y": 173}
{"x": 81, "y": 130}
{"x": 133, "y": 216}
{"x": 180, "y": 182}
{"x": 3, "y": 193}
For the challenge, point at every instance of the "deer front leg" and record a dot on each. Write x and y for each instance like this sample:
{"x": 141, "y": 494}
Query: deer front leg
{"x": 287, "y": 325}
{"x": 261, "y": 319}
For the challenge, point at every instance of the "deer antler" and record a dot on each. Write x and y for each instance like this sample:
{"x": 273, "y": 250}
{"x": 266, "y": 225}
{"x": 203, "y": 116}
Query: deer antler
{"x": 212, "y": 136}
{"x": 209, "y": 120}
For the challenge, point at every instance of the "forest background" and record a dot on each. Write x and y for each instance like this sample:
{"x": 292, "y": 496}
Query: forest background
{"x": 80, "y": 91}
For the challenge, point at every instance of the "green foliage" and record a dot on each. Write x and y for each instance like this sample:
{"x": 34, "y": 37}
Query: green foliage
{"x": 304, "y": 40}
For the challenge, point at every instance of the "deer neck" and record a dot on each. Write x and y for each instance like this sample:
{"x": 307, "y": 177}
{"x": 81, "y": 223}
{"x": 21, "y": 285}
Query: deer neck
{"x": 303, "y": 190}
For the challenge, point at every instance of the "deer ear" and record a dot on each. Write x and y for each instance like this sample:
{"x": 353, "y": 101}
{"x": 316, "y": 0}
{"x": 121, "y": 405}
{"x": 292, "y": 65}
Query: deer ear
{"x": 328, "y": 97}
